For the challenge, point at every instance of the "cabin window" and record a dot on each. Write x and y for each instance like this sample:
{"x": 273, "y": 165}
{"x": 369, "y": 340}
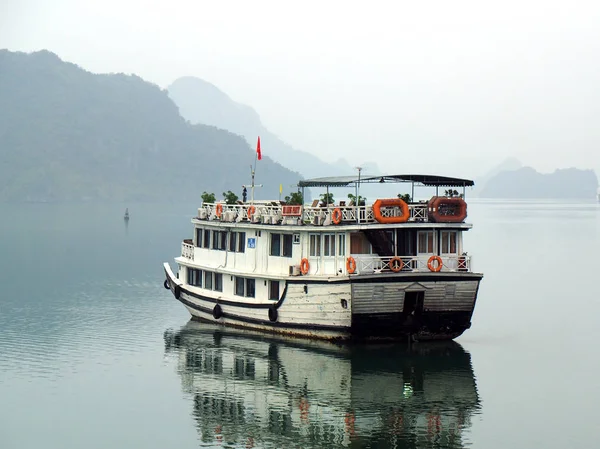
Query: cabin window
{"x": 314, "y": 245}
{"x": 296, "y": 239}
{"x": 206, "y": 242}
{"x": 239, "y": 286}
{"x": 194, "y": 277}
{"x": 250, "y": 288}
{"x": 241, "y": 242}
{"x": 208, "y": 284}
{"x": 329, "y": 245}
{"x": 449, "y": 242}
{"x": 218, "y": 282}
{"x": 199, "y": 233}
{"x": 274, "y": 290}
{"x": 287, "y": 245}
{"x": 233, "y": 241}
{"x": 425, "y": 242}
{"x": 220, "y": 240}
{"x": 281, "y": 245}
{"x": 359, "y": 244}
{"x": 341, "y": 244}
{"x": 245, "y": 287}
{"x": 275, "y": 244}
{"x": 237, "y": 241}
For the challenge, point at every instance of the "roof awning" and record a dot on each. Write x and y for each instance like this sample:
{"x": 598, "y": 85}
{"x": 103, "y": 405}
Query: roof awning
{"x": 351, "y": 181}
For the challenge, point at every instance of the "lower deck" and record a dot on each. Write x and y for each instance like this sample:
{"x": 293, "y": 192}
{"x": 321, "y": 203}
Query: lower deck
{"x": 399, "y": 305}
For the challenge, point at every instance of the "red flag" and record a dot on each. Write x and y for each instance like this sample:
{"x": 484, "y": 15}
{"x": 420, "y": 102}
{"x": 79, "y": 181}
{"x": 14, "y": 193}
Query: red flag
{"x": 258, "y": 149}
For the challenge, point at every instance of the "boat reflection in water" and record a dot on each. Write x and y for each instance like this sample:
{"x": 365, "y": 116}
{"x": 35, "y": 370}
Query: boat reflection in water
{"x": 254, "y": 390}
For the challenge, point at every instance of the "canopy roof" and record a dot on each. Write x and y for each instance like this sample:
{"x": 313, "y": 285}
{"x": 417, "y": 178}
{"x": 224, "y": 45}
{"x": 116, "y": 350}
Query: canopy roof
{"x": 351, "y": 181}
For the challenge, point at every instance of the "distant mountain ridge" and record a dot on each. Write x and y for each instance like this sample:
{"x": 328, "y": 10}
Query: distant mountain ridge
{"x": 525, "y": 183}
{"x": 202, "y": 102}
{"x": 69, "y": 135}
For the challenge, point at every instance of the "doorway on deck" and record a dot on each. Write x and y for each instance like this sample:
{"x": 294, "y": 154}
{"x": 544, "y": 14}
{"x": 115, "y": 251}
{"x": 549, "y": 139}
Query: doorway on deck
{"x": 413, "y": 303}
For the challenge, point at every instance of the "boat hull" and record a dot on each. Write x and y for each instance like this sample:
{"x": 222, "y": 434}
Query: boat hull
{"x": 396, "y": 307}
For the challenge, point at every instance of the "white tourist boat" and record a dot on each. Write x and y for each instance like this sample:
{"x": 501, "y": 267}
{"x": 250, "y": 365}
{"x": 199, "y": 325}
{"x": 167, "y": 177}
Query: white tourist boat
{"x": 390, "y": 269}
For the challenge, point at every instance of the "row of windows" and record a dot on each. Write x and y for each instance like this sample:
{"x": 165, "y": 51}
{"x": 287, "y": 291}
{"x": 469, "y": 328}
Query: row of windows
{"x": 206, "y": 279}
{"x": 221, "y": 240}
{"x": 447, "y": 244}
{"x": 247, "y": 287}
{"x": 281, "y": 245}
{"x": 243, "y": 286}
{"x": 327, "y": 244}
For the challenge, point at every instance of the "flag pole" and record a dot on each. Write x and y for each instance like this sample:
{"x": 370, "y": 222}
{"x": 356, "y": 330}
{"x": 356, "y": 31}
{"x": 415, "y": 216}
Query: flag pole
{"x": 253, "y": 170}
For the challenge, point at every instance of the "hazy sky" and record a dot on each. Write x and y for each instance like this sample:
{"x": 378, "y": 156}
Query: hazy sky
{"x": 443, "y": 86}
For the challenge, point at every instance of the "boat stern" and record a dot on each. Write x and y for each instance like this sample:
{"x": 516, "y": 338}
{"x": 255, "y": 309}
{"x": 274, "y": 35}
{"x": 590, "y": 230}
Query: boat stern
{"x": 436, "y": 307}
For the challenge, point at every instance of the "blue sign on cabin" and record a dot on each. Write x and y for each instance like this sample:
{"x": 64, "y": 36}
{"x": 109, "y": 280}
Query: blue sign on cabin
{"x": 251, "y": 242}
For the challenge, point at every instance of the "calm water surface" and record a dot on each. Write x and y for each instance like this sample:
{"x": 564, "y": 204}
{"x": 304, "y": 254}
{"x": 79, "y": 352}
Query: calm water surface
{"x": 95, "y": 353}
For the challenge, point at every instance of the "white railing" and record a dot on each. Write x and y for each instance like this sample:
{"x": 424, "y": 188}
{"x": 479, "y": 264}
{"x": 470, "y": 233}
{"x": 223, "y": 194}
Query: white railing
{"x": 368, "y": 264}
{"x": 276, "y": 213}
{"x": 187, "y": 249}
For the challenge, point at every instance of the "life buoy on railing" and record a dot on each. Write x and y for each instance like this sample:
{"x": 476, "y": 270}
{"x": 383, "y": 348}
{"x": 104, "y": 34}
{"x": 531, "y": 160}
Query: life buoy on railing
{"x": 432, "y": 259}
{"x": 304, "y": 266}
{"x": 350, "y": 265}
{"x": 396, "y": 264}
{"x": 336, "y": 216}
{"x": 391, "y": 202}
{"x": 251, "y": 211}
{"x": 219, "y": 210}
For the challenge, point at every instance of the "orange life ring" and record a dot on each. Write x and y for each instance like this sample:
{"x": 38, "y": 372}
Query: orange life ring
{"x": 351, "y": 265}
{"x": 397, "y": 266}
{"x": 336, "y": 216}
{"x": 391, "y": 202}
{"x": 304, "y": 266}
{"x": 438, "y": 259}
{"x": 219, "y": 210}
{"x": 251, "y": 211}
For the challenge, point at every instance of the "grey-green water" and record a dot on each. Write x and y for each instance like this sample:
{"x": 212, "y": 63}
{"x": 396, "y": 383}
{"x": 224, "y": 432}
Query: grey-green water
{"x": 95, "y": 353}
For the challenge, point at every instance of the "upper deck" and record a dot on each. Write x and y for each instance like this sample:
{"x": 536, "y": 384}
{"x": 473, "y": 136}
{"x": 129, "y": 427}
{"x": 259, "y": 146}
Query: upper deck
{"x": 438, "y": 209}
{"x": 279, "y": 213}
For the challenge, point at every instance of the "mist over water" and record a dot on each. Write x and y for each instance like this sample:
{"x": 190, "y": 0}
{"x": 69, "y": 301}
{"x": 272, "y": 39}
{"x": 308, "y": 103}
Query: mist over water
{"x": 95, "y": 353}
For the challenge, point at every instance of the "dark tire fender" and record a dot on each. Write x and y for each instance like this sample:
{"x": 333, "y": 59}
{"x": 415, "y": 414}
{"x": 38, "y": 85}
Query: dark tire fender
{"x": 272, "y": 314}
{"x": 217, "y": 312}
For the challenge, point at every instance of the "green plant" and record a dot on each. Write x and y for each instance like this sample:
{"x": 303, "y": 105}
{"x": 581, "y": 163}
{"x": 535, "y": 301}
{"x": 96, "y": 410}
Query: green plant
{"x": 360, "y": 202}
{"x": 208, "y": 197}
{"x": 294, "y": 198}
{"x": 405, "y": 197}
{"x": 451, "y": 193}
{"x": 230, "y": 197}
{"x": 326, "y": 198}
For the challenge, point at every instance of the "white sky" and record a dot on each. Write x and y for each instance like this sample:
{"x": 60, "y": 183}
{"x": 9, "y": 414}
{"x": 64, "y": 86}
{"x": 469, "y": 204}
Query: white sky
{"x": 451, "y": 87}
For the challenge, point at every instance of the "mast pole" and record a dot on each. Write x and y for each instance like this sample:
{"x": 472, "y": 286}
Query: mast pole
{"x": 357, "y": 196}
{"x": 253, "y": 171}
